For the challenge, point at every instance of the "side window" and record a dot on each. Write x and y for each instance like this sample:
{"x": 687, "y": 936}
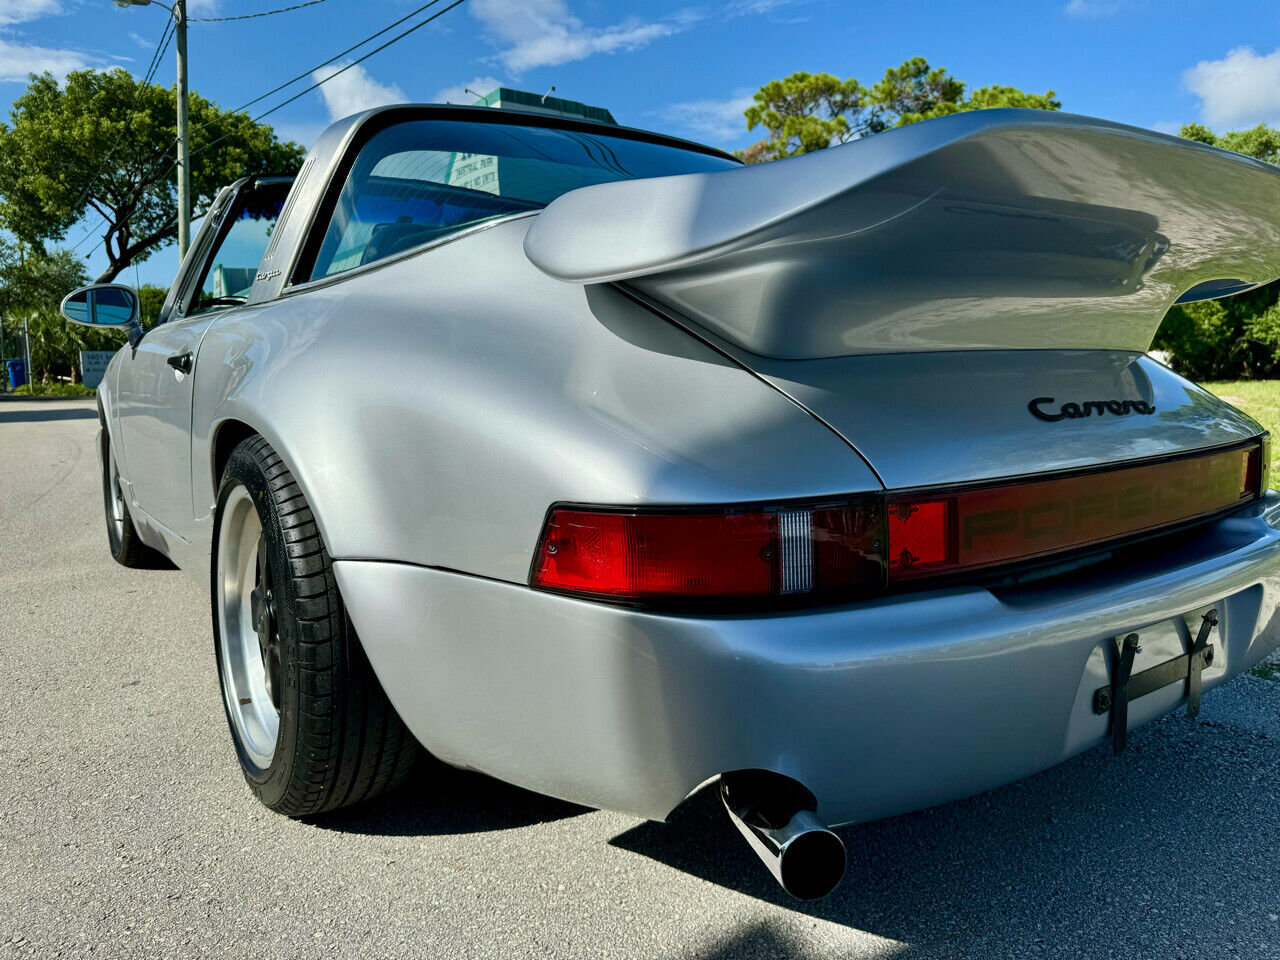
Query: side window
{"x": 230, "y": 269}
{"x": 401, "y": 193}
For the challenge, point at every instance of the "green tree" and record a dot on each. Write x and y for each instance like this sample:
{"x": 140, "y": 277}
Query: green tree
{"x": 102, "y": 145}
{"x": 31, "y": 279}
{"x": 810, "y": 111}
{"x": 1261, "y": 142}
{"x": 1238, "y": 336}
{"x": 32, "y": 284}
{"x": 806, "y": 112}
{"x": 914, "y": 90}
{"x": 150, "y": 300}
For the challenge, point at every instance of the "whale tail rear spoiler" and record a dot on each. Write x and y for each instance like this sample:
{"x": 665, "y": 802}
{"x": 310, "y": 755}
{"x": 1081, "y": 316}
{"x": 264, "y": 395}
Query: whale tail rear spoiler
{"x": 996, "y": 229}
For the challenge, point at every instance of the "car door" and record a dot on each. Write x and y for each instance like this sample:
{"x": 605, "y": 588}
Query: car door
{"x": 156, "y": 377}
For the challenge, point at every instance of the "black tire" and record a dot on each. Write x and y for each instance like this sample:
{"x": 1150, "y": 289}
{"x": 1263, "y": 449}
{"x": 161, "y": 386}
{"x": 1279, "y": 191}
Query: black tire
{"x": 339, "y": 740}
{"x": 126, "y": 546}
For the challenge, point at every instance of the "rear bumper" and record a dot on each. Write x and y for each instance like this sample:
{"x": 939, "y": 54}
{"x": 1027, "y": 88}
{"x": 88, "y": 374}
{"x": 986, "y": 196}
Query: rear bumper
{"x": 878, "y": 708}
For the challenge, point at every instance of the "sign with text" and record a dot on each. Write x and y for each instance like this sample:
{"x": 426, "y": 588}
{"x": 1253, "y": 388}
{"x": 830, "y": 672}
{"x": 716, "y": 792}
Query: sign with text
{"x": 93, "y": 366}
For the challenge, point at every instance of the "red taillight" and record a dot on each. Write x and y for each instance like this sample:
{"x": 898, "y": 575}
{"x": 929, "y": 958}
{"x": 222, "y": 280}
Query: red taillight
{"x": 858, "y": 547}
{"x": 644, "y": 555}
{"x": 699, "y": 555}
{"x": 920, "y": 535}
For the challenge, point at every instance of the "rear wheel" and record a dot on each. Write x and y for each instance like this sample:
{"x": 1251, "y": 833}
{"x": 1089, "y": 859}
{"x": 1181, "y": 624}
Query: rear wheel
{"x": 126, "y": 546}
{"x": 312, "y": 728}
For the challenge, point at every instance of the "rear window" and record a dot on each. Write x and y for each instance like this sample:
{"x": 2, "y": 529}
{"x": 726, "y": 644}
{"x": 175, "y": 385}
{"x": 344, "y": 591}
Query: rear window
{"x": 422, "y": 180}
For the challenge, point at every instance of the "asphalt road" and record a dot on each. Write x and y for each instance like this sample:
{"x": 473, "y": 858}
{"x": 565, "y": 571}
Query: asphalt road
{"x": 126, "y": 830}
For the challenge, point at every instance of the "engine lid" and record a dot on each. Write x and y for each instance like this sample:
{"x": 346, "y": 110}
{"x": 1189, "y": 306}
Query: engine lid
{"x": 927, "y": 419}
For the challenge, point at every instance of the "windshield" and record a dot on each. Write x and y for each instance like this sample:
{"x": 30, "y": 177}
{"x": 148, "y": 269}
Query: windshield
{"x": 421, "y": 180}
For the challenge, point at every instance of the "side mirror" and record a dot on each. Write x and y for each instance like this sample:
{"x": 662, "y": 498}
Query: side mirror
{"x": 111, "y": 305}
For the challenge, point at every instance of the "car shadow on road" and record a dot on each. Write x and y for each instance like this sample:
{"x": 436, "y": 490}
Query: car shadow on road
{"x": 1171, "y": 844}
{"x": 44, "y": 416}
{"x": 769, "y": 940}
{"x": 439, "y": 800}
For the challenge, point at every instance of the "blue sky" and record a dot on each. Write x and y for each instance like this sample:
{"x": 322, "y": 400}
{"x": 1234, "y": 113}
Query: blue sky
{"x": 682, "y": 66}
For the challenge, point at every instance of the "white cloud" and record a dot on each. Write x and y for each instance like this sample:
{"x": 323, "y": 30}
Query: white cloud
{"x": 544, "y": 33}
{"x": 710, "y": 119}
{"x": 19, "y": 59}
{"x": 1241, "y": 89}
{"x": 1092, "y": 9}
{"x": 755, "y": 8}
{"x": 202, "y": 7}
{"x": 354, "y": 90}
{"x": 1170, "y": 127}
{"x": 20, "y": 11}
{"x": 302, "y": 133}
{"x": 459, "y": 94}
{"x": 139, "y": 39}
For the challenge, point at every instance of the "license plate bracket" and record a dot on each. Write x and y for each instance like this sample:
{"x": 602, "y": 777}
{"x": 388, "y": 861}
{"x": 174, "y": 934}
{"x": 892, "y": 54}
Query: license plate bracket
{"x": 1126, "y": 686}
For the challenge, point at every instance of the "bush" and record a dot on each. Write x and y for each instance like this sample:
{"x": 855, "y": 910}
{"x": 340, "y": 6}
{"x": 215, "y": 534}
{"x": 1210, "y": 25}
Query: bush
{"x": 1232, "y": 339}
{"x": 54, "y": 390}
{"x": 55, "y": 344}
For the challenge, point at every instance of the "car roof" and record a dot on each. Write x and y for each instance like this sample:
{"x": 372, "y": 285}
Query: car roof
{"x": 386, "y": 115}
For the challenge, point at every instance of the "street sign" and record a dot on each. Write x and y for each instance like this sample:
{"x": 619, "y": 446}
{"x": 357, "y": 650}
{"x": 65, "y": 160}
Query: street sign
{"x": 93, "y": 365}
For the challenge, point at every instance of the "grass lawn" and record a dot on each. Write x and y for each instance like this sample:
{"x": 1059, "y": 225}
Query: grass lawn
{"x": 54, "y": 390}
{"x": 1260, "y": 399}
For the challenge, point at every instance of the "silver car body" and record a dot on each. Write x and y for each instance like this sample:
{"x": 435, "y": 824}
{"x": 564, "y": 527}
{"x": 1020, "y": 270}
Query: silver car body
{"x": 694, "y": 340}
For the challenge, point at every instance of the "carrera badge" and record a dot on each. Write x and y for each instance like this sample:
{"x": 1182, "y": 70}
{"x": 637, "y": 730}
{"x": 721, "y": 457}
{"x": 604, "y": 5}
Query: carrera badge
{"x": 1040, "y": 406}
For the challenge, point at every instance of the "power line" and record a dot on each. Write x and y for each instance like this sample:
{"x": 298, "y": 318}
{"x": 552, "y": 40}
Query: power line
{"x": 308, "y": 72}
{"x": 344, "y": 69}
{"x": 165, "y": 40}
{"x": 201, "y": 128}
{"x": 80, "y": 242}
{"x": 157, "y": 53}
{"x": 251, "y": 16}
{"x": 284, "y": 103}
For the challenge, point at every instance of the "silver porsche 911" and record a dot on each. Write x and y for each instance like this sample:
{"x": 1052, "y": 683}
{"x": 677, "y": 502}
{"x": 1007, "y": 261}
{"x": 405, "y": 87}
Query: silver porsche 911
{"x": 598, "y": 462}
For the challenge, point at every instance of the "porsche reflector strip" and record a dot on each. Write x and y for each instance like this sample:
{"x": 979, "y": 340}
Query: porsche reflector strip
{"x": 936, "y": 533}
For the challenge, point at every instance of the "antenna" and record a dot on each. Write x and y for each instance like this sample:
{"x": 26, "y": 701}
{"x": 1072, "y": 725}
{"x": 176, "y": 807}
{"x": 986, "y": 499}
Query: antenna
{"x": 548, "y": 93}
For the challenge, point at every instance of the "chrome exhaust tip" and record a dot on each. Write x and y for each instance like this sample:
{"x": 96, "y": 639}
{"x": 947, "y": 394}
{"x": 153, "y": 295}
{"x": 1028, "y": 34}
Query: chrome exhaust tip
{"x": 777, "y": 816}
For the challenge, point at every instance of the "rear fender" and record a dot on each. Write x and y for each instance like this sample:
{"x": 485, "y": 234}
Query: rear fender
{"x": 432, "y": 415}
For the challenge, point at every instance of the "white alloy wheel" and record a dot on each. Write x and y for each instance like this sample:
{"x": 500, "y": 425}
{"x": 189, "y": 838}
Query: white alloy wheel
{"x": 250, "y": 648}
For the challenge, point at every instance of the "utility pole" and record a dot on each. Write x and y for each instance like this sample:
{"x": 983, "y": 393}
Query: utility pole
{"x": 179, "y": 13}
{"x": 184, "y": 144}
{"x": 26, "y": 343}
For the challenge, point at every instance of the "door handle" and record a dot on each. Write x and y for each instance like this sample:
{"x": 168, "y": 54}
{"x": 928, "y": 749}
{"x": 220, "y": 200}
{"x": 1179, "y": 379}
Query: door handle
{"x": 180, "y": 362}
